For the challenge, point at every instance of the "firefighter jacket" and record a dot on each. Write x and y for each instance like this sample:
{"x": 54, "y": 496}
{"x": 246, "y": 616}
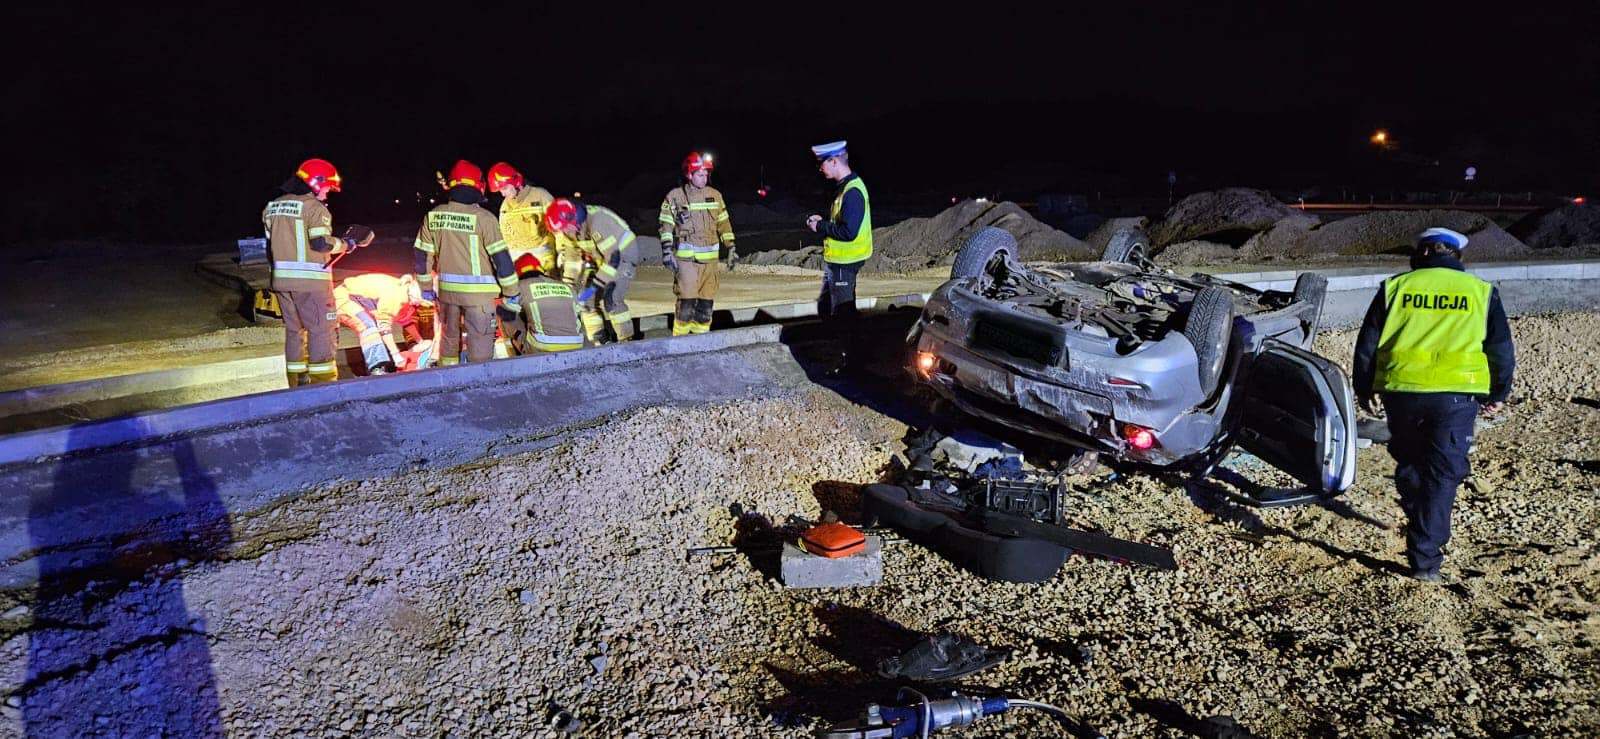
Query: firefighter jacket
{"x": 462, "y": 243}
{"x": 300, "y": 243}
{"x": 522, "y": 224}
{"x": 694, "y": 222}
{"x": 847, "y": 234}
{"x": 1435, "y": 329}
{"x": 375, "y": 293}
{"x": 551, "y": 313}
{"x": 607, "y": 241}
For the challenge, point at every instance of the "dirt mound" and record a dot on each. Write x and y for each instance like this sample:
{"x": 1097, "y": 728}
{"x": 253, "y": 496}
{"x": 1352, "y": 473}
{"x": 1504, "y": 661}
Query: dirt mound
{"x": 1386, "y": 232}
{"x": 917, "y": 243}
{"x": 923, "y": 242}
{"x": 1229, "y": 216}
{"x": 1567, "y": 226}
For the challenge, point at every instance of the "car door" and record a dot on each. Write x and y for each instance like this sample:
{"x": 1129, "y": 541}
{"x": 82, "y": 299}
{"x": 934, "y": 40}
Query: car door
{"x": 1297, "y": 412}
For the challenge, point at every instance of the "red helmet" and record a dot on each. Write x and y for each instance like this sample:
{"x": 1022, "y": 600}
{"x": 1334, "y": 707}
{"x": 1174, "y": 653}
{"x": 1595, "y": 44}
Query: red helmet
{"x": 502, "y": 174}
{"x": 465, "y": 173}
{"x": 563, "y": 212}
{"x": 697, "y": 161}
{"x": 319, "y": 175}
{"x": 527, "y": 264}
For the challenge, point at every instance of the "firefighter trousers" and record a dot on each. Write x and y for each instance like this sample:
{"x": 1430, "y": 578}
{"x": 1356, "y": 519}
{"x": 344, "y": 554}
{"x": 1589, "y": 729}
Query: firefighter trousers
{"x": 695, "y": 284}
{"x": 478, "y": 323}
{"x": 308, "y": 332}
{"x": 610, "y": 306}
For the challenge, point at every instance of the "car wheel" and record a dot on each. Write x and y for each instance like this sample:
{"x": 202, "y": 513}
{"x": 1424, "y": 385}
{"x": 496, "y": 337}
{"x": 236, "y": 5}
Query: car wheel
{"x": 1208, "y": 328}
{"x": 988, "y": 248}
{"x": 1312, "y": 288}
{"x": 1128, "y": 246}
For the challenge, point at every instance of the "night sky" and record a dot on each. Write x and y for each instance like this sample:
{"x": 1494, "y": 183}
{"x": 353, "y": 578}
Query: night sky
{"x": 176, "y": 124}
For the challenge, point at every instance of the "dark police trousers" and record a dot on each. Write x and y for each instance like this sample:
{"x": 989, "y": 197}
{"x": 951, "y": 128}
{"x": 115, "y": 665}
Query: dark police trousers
{"x": 838, "y": 298}
{"x": 1429, "y": 437}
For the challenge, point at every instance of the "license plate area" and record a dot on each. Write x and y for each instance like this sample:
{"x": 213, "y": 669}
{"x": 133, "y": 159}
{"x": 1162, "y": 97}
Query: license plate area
{"x": 1019, "y": 341}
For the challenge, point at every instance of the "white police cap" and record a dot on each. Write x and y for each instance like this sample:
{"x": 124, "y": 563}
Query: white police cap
{"x": 831, "y": 149}
{"x": 1453, "y": 239}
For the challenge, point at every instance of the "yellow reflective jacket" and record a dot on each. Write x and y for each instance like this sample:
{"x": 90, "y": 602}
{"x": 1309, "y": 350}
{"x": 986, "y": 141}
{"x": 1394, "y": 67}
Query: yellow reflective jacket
{"x": 694, "y": 223}
{"x": 1432, "y": 339}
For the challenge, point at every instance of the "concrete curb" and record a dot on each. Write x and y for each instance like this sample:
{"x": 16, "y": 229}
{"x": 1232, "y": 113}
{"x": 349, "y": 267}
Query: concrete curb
{"x": 262, "y": 408}
{"x": 44, "y": 397}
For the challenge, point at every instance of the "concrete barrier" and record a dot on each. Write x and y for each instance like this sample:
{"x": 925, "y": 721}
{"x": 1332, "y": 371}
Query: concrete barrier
{"x": 102, "y": 482}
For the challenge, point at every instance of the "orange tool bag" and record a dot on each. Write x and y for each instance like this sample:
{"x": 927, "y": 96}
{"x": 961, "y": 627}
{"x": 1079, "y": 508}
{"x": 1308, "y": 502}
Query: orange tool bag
{"x": 833, "y": 540}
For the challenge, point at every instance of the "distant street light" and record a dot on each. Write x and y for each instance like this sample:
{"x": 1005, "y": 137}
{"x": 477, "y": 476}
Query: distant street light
{"x": 1380, "y": 139}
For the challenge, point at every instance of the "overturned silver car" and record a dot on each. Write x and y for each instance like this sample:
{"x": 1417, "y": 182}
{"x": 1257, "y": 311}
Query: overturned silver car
{"x": 1126, "y": 359}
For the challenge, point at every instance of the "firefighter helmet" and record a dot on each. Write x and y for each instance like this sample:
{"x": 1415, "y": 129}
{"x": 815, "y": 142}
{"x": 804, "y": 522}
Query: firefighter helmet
{"x": 563, "y": 212}
{"x": 318, "y": 174}
{"x": 697, "y": 161}
{"x": 502, "y": 174}
{"x": 527, "y": 264}
{"x": 465, "y": 173}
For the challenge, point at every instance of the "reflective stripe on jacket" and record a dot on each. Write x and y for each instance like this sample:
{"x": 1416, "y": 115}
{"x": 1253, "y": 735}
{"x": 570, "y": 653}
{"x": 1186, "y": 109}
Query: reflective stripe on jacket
{"x": 606, "y": 238}
{"x": 462, "y": 243}
{"x": 552, "y": 315}
{"x": 292, "y": 223}
{"x": 859, "y": 248}
{"x": 1432, "y": 339}
{"x": 693, "y": 217}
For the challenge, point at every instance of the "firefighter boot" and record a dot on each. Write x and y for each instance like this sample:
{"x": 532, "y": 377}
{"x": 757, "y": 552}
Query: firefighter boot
{"x": 683, "y": 317}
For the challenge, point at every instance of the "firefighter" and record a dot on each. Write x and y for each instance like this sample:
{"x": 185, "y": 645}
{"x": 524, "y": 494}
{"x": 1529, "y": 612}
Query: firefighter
{"x": 611, "y": 258}
{"x": 548, "y": 310}
{"x": 694, "y": 226}
{"x": 846, "y": 237}
{"x": 374, "y": 305}
{"x": 522, "y": 215}
{"x": 462, "y": 243}
{"x": 1436, "y": 346}
{"x": 300, "y": 245}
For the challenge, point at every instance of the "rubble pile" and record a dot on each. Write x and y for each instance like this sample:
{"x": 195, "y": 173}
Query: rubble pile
{"x": 548, "y": 594}
{"x": 919, "y": 243}
{"x": 1574, "y": 225}
{"x": 1242, "y": 225}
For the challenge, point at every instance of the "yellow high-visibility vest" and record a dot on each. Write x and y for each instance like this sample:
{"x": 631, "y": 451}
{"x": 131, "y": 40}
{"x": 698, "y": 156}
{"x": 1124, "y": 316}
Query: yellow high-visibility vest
{"x": 1432, "y": 340}
{"x": 858, "y": 249}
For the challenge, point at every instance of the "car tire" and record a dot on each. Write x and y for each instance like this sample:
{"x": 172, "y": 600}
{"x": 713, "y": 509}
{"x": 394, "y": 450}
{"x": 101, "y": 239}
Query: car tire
{"x": 988, "y": 243}
{"x": 1128, "y": 246}
{"x": 1208, "y": 328}
{"x": 1313, "y": 288}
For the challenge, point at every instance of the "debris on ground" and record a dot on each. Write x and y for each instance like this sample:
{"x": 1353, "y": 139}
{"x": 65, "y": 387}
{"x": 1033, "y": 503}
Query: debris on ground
{"x": 472, "y": 600}
{"x": 939, "y": 658}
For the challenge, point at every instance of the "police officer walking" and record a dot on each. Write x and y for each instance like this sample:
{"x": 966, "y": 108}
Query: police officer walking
{"x": 846, "y": 234}
{"x": 1436, "y": 345}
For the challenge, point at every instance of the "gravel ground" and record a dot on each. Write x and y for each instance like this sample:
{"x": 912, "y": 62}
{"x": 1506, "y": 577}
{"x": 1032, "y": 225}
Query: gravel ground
{"x": 548, "y": 595}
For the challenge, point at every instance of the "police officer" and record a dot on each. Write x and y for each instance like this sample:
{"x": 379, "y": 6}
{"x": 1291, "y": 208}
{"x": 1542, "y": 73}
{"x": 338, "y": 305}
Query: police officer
{"x": 1435, "y": 344}
{"x": 846, "y": 235}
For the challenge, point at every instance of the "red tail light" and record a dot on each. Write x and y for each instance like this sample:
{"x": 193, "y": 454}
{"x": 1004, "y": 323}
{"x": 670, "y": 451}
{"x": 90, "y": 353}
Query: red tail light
{"x": 1139, "y": 437}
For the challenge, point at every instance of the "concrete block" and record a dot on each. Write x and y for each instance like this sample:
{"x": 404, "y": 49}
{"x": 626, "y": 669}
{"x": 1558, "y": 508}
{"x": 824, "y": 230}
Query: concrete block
{"x": 1558, "y": 271}
{"x": 1500, "y": 273}
{"x": 798, "y": 568}
{"x": 1591, "y": 270}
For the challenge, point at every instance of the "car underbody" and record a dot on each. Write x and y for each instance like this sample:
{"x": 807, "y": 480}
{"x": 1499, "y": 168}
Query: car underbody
{"x": 1136, "y": 362}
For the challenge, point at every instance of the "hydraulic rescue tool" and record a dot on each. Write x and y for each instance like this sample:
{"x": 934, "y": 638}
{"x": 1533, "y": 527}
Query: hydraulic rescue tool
{"x": 928, "y": 716}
